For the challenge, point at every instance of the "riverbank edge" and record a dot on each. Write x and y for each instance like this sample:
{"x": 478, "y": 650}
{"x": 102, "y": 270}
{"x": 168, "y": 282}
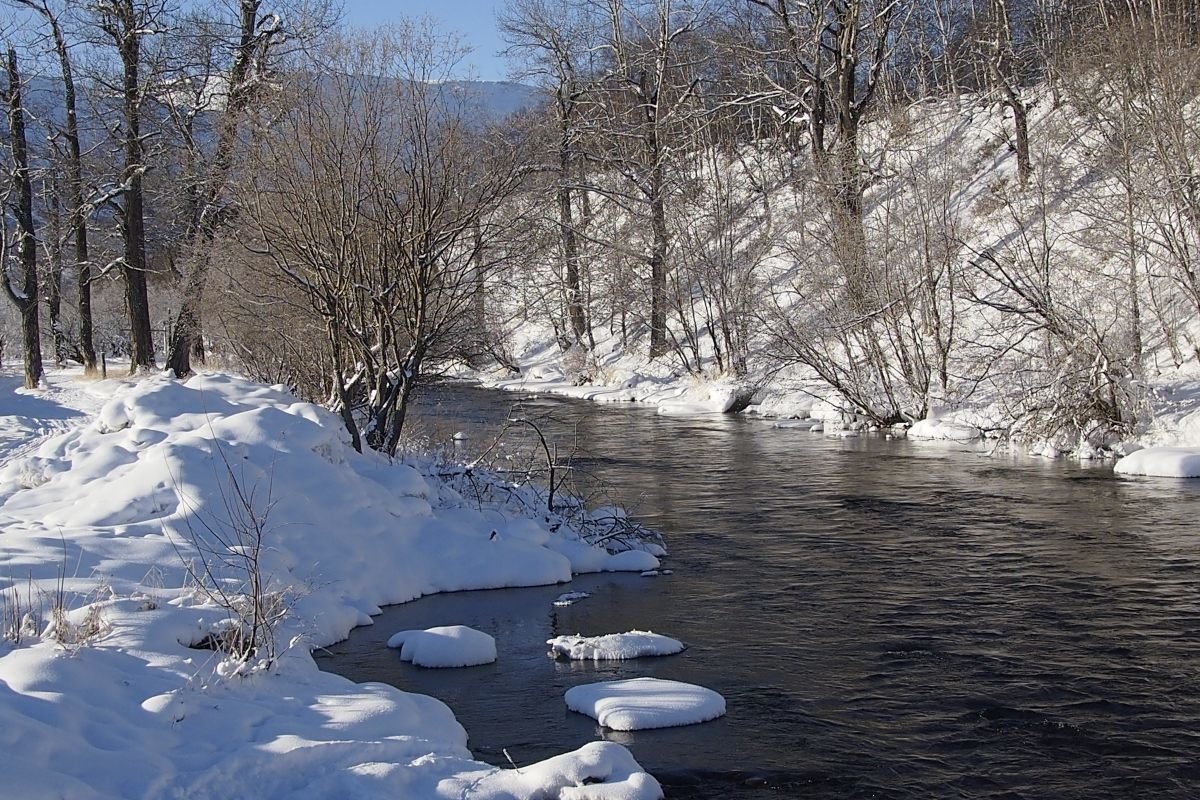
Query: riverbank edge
{"x": 136, "y": 709}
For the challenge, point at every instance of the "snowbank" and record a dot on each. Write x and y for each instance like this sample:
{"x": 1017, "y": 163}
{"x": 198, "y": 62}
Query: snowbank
{"x": 614, "y": 646}
{"x": 1161, "y": 462}
{"x": 144, "y": 508}
{"x": 644, "y": 703}
{"x": 938, "y": 425}
{"x": 449, "y": 646}
{"x": 596, "y": 771}
{"x": 711, "y": 397}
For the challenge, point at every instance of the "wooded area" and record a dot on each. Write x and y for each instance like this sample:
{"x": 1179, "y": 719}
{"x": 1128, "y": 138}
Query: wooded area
{"x": 738, "y": 187}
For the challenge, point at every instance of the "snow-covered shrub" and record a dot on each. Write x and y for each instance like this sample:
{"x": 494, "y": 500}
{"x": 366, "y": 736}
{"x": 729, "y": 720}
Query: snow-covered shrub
{"x": 578, "y": 365}
{"x": 75, "y": 628}
{"x": 230, "y": 572}
{"x": 527, "y": 477}
{"x": 20, "y": 614}
{"x": 1058, "y": 327}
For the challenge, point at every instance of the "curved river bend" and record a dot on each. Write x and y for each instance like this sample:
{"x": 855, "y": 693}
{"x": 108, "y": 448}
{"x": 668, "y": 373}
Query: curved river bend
{"x": 885, "y": 619}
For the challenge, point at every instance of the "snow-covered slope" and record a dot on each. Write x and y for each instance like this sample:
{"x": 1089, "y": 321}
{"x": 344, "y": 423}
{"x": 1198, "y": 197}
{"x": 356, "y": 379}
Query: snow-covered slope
{"x": 946, "y": 224}
{"x": 121, "y": 535}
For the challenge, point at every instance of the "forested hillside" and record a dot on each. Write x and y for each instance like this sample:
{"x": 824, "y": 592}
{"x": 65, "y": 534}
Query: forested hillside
{"x": 898, "y": 208}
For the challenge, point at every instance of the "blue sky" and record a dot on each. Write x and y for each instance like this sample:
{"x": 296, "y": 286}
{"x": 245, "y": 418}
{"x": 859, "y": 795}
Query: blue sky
{"x": 475, "y": 20}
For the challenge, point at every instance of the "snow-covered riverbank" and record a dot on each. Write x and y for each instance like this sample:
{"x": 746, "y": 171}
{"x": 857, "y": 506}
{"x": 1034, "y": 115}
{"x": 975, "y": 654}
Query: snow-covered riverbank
{"x": 1171, "y": 412}
{"x": 127, "y": 507}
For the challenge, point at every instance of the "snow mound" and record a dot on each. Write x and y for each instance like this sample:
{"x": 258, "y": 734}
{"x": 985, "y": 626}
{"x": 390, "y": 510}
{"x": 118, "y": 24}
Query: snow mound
{"x": 718, "y": 397}
{"x": 644, "y": 703}
{"x": 449, "y": 646}
{"x": 596, "y": 771}
{"x": 1161, "y": 462}
{"x": 937, "y": 426}
{"x": 614, "y": 646}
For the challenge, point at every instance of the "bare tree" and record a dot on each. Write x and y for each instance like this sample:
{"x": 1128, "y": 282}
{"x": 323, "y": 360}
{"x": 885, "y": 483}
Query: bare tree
{"x": 374, "y": 193}
{"x": 824, "y": 64}
{"x": 557, "y": 41}
{"x": 723, "y": 231}
{"x": 208, "y": 174}
{"x": 651, "y": 106}
{"x": 1066, "y": 365}
{"x": 221, "y": 78}
{"x": 126, "y": 23}
{"x": 1006, "y": 77}
{"x": 75, "y": 229}
{"x": 22, "y": 290}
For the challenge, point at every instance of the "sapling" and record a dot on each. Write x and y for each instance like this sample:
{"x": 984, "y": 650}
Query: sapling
{"x": 229, "y": 570}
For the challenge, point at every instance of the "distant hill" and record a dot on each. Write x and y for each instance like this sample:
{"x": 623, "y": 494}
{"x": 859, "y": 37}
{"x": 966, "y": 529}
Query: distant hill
{"x": 502, "y": 98}
{"x": 43, "y": 99}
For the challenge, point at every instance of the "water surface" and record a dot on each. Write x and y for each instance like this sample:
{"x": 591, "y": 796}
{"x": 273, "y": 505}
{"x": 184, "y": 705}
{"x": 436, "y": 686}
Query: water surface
{"x": 884, "y": 618}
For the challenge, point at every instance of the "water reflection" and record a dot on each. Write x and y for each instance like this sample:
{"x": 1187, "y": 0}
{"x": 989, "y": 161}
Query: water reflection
{"x": 885, "y": 619}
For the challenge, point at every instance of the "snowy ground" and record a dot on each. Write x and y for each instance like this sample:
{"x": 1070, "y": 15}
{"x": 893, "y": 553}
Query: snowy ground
{"x": 128, "y": 508}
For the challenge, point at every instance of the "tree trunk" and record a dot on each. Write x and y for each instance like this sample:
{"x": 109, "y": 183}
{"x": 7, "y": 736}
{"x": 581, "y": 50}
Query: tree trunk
{"x": 399, "y": 413}
{"x": 478, "y": 291}
{"x": 186, "y": 333}
{"x": 187, "y": 337}
{"x": 658, "y": 265}
{"x": 77, "y": 219}
{"x": 26, "y": 296}
{"x": 137, "y": 299}
{"x": 1021, "y": 134}
{"x": 54, "y": 272}
{"x": 339, "y": 383}
{"x": 1005, "y": 76}
{"x": 1131, "y": 251}
{"x": 570, "y": 243}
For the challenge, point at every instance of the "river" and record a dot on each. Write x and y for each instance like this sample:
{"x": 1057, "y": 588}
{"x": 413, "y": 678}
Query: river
{"x": 886, "y": 619}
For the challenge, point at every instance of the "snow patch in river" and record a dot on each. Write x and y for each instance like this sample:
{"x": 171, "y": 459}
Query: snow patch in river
{"x": 614, "y": 646}
{"x": 645, "y": 703}
{"x": 1161, "y": 462}
{"x": 447, "y": 646}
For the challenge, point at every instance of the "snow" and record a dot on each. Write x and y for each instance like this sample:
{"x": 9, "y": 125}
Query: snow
{"x": 596, "y": 771}
{"x": 448, "y": 646}
{"x": 940, "y": 429}
{"x": 614, "y": 646}
{"x": 570, "y": 598}
{"x": 936, "y": 425}
{"x": 119, "y": 486}
{"x": 643, "y": 703}
{"x": 718, "y": 396}
{"x": 1161, "y": 462}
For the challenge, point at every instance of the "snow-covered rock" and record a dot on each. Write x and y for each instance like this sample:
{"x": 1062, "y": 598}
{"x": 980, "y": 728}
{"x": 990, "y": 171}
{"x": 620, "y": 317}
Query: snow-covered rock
{"x": 596, "y": 771}
{"x": 938, "y": 425}
{"x": 710, "y": 397}
{"x": 614, "y": 646}
{"x": 1161, "y": 462}
{"x": 644, "y": 703}
{"x": 447, "y": 646}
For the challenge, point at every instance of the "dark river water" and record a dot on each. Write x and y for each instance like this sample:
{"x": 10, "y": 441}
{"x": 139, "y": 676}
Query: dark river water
{"x": 885, "y": 619}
